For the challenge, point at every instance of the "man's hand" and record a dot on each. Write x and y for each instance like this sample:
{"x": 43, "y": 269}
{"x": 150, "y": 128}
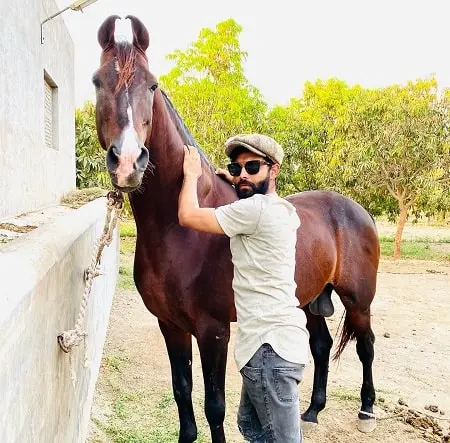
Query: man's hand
{"x": 190, "y": 215}
{"x": 225, "y": 175}
{"x": 192, "y": 166}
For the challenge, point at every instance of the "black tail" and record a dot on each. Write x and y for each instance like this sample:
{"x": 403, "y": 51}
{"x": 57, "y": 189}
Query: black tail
{"x": 347, "y": 334}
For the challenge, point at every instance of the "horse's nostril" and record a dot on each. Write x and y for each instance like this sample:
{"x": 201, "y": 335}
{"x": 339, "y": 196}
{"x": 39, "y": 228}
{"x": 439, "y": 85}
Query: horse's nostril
{"x": 112, "y": 158}
{"x": 115, "y": 150}
{"x": 142, "y": 160}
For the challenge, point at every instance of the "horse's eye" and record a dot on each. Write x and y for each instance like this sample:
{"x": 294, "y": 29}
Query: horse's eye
{"x": 153, "y": 87}
{"x": 96, "y": 82}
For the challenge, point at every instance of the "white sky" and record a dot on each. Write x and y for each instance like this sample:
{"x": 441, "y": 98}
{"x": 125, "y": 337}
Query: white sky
{"x": 370, "y": 42}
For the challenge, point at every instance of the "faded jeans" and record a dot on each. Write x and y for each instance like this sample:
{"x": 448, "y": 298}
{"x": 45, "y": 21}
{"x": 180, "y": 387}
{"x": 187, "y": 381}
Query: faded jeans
{"x": 269, "y": 411}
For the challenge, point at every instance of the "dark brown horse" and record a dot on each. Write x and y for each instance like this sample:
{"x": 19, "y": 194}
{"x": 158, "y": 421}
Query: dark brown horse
{"x": 184, "y": 277}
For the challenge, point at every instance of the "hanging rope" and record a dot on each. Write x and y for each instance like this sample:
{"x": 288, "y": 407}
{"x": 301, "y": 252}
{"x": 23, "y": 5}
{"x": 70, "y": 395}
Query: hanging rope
{"x": 68, "y": 339}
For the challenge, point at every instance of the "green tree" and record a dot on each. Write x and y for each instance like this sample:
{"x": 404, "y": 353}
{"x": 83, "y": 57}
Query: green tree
{"x": 306, "y": 130}
{"x": 210, "y": 91}
{"x": 393, "y": 151}
{"x": 90, "y": 158}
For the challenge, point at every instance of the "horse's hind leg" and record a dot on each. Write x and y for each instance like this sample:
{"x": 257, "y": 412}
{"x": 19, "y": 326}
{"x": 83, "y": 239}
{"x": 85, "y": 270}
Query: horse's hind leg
{"x": 357, "y": 324}
{"x": 320, "y": 343}
{"x": 179, "y": 348}
{"x": 213, "y": 338}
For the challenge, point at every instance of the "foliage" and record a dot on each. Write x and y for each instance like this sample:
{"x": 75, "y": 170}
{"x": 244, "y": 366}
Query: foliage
{"x": 211, "y": 93}
{"x": 90, "y": 158}
{"x": 127, "y": 228}
{"x": 394, "y": 150}
{"x": 305, "y": 128}
{"x": 387, "y": 148}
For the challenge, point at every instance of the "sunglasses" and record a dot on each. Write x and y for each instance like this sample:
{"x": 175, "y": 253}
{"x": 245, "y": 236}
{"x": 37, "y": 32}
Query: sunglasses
{"x": 252, "y": 167}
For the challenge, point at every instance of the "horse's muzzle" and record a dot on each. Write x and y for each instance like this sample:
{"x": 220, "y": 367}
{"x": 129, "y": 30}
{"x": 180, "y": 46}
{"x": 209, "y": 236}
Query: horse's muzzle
{"x": 126, "y": 168}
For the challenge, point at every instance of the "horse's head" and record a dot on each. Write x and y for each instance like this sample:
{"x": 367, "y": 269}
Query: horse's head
{"x": 124, "y": 88}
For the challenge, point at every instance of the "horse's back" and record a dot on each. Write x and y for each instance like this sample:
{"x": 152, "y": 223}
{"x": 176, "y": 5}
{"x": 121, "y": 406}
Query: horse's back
{"x": 332, "y": 208}
{"x": 337, "y": 242}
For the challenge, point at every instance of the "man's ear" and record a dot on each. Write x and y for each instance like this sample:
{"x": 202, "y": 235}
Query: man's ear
{"x": 274, "y": 171}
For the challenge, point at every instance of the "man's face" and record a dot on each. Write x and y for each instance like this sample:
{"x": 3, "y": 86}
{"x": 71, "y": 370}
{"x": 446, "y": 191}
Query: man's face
{"x": 246, "y": 184}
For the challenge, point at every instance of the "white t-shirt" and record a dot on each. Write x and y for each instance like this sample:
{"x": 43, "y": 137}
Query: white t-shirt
{"x": 263, "y": 235}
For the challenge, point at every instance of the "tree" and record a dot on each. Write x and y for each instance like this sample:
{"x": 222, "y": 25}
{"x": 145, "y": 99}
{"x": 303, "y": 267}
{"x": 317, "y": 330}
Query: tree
{"x": 90, "y": 158}
{"x": 394, "y": 150}
{"x": 210, "y": 91}
{"x": 306, "y": 130}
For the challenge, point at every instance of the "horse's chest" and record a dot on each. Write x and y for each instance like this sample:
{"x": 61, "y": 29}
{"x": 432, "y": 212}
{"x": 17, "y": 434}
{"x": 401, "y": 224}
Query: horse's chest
{"x": 176, "y": 275}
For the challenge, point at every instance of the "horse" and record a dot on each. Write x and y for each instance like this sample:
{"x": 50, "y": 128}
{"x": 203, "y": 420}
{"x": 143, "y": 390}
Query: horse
{"x": 184, "y": 277}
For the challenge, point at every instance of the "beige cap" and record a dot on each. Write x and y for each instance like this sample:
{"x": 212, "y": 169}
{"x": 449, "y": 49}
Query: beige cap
{"x": 259, "y": 144}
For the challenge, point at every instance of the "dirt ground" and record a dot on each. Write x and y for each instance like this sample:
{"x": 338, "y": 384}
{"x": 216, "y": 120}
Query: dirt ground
{"x": 411, "y": 321}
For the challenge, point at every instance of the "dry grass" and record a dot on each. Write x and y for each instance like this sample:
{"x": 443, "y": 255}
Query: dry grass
{"x": 80, "y": 197}
{"x": 16, "y": 228}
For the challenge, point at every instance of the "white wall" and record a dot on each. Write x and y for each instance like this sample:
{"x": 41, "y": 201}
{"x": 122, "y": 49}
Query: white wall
{"x": 42, "y": 283}
{"x": 32, "y": 175}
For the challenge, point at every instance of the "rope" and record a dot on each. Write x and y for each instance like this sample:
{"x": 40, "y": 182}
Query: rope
{"x": 73, "y": 337}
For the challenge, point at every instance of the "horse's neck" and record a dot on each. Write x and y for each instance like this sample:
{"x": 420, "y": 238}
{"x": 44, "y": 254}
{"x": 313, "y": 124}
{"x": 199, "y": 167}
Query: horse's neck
{"x": 155, "y": 206}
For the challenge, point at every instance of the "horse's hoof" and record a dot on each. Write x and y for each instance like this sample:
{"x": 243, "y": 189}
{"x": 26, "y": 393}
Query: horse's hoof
{"x": 367, "y": 425}
{"x": 307, "y": 425}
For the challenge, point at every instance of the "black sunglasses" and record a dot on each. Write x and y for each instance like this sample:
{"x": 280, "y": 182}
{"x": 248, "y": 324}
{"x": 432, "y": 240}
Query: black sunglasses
{"x": 252, "y": 167}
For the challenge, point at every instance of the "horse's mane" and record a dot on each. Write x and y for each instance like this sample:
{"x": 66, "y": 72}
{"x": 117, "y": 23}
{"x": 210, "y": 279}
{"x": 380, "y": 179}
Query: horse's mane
{"x": 125, "y": 56}
{"x": 183, "y": 130}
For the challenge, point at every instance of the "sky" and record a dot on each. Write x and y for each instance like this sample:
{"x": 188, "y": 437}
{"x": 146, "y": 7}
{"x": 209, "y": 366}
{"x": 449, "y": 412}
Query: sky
{"x": 371, "y": 43}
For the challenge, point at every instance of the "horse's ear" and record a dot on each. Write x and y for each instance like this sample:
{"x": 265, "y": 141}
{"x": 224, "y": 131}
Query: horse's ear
{"x": 141, "y": 39}
{"x": 105, "y": 34}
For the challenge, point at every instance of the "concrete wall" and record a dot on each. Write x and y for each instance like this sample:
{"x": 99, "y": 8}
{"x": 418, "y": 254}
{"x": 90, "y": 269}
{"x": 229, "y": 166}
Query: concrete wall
{"x": 32, "y": 175}
{"x": 41, "y": 277}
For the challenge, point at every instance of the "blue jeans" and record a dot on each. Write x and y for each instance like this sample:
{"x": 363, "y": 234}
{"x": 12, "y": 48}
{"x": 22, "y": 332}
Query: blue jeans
{"x": 269, "y": 411}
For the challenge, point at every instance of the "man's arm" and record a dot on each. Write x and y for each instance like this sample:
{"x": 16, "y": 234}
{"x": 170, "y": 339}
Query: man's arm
{"x": 190, "y": 215}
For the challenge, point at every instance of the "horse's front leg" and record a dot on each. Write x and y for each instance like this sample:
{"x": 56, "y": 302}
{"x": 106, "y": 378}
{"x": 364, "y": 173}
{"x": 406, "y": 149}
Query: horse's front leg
{"x": 320, "y": 343}
{"x": 213, "y": 338}
{"x": 179, "y": 348}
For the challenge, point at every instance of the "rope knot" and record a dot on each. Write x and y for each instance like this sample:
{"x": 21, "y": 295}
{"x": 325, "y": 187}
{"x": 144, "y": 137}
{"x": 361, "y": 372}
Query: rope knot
{"x": 115, "y": 199}
{"x": 68, "y": 339}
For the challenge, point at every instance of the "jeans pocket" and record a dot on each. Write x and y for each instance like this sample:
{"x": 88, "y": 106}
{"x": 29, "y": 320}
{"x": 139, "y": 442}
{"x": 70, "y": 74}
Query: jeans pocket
{"x": 286, "y": 382}
{"x": 251, "y": 374}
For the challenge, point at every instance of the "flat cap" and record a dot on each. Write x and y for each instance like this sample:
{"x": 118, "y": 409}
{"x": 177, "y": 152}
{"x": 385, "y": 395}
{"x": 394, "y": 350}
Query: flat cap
{"x": 259, "y": 144}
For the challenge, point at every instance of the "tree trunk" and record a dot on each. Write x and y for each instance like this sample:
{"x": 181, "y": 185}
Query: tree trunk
{"x": 400, "y": 225}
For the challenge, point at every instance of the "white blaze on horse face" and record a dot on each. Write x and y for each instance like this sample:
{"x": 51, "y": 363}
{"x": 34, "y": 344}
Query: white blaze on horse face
{"x": 129, "y": 150}
{"x": 130, "y": 144}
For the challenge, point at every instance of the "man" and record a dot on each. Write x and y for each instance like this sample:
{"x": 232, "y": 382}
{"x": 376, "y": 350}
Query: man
{"x": 272, "y": 339}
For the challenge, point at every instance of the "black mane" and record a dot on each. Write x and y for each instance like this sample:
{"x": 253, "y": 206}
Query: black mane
{"x": 183, "y": 130}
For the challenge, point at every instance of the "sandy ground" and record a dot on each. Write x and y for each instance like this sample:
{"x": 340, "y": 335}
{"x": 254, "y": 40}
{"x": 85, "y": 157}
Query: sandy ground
{"x": 411, "y": 321}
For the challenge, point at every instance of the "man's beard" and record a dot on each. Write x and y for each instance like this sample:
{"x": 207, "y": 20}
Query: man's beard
{"x": 252, "y": 189}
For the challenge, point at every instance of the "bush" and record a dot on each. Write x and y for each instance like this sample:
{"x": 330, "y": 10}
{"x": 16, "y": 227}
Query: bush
{"x": 90, "y": 157}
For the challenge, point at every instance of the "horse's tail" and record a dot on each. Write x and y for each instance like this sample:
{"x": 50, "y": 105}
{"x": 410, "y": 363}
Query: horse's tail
{"x": 347, "y": 334}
